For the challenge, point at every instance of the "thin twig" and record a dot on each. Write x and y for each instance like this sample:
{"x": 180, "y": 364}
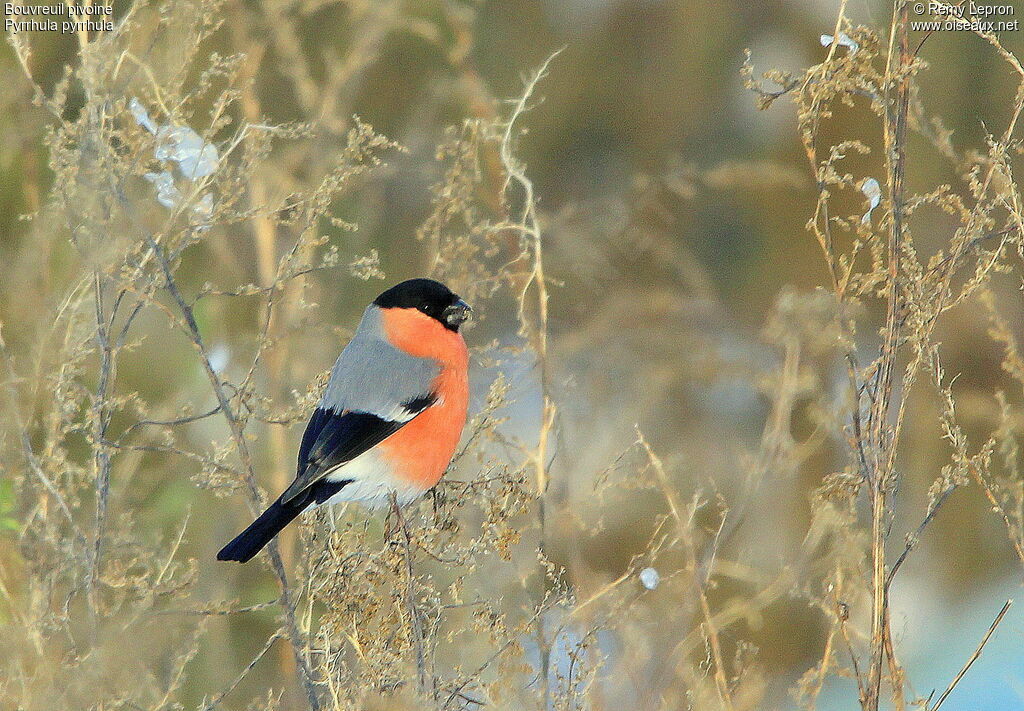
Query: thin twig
{"x": 415, "y": 624}
{"x": 883, "y": 439}
{"x": 913, "y": 539}
{"x": 685, "y": 529}
{"x": 215, "y": 612}
{"x": 215, "y": 701}
{"x": 998, "y": 508}
{"x": 974, "y": 657}
{"x": 33, "y": 464}
{"x": 172, "y": 423}
{"x": 528, "y": 225}
{"x": 101, "y": 418}
{"x": 255, "y": 498}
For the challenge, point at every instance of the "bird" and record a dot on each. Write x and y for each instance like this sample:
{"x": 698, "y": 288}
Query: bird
{"x": 390, "y": 418}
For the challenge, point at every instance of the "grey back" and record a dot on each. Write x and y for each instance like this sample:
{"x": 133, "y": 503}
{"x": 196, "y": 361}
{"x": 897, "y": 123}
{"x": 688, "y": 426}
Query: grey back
{"x": 373, "y": 376}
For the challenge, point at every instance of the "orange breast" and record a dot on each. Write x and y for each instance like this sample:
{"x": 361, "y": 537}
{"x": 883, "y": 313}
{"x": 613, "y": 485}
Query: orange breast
{"x": 421, "y": 450}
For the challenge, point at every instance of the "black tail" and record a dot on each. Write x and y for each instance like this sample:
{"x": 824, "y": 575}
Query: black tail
{"x": 251, "y": 541}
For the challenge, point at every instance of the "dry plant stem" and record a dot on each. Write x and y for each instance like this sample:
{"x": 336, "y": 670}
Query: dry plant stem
{"x": 457, "y": 691}
{"x": 101, "y": 418}
{"x": 26, "y": 444}
{"x": 881, "y": 435}
{"x": 401, "y": 530}
{"x": 974, "y": 657}
{"x": 415, "y": 623}
{"x": 843, "y": 617}
{"x": 824, "y": 233}
{"x": 839, "y": 615}
{"x": 33, "y": 464}
{"x": 826, "y": 661}
{"x": 998, "y": 508}
{"x": 916, "y": 536}
{"x": 216, "y": 701}
{"x": 295, "y": 635}
{"x": 265, "y": 236}
{"x": 528, "y": 226}
{"x": 897, "y": 676}
{"x": 685, "y": 531}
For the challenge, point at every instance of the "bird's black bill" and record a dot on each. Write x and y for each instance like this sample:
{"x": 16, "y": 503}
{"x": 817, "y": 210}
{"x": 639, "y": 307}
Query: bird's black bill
{"x": 456, "y": 314}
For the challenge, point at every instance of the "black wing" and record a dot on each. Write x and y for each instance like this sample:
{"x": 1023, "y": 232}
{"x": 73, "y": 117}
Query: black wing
{"x": 331, "y": 439}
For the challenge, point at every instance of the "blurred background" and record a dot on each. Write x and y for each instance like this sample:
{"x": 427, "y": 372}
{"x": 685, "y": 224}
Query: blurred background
{"x": 674, "y": 214}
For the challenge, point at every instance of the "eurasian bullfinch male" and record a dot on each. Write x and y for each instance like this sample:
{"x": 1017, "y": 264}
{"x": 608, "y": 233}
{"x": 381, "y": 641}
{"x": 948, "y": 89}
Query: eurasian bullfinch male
{"x": 390, "y": 417}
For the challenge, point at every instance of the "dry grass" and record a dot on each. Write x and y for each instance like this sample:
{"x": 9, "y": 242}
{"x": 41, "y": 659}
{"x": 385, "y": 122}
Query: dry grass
{"x": 160, "y": 358}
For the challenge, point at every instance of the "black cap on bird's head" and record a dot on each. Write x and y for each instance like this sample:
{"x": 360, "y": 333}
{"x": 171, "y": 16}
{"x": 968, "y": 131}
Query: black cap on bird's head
{"x": 429, "y": 297}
